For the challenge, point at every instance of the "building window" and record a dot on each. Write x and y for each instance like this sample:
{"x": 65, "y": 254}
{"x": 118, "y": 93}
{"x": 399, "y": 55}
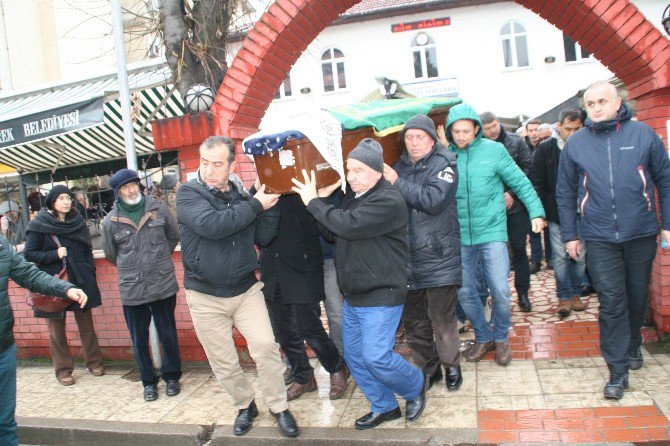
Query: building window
{"x": 424, "y": 56}
{"x": 332, "y": 65}
{"x": 515, "y": 44}
{"x": 574, "y": 52}
{"x": 285, "y": 88}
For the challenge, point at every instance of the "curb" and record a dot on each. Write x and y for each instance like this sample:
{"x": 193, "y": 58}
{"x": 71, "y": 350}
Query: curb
{"x": 76, "y": 432}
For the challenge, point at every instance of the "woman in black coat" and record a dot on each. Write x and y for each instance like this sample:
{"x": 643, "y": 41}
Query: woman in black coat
{"x": 61, "y": 219}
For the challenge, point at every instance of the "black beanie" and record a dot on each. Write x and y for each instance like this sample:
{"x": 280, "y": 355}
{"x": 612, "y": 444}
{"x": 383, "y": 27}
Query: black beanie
{"x": 370, "y": 153}
{"x": 121, "y": 177}
{"x": 421, "y": 122}
{"x": 54, "y": 193}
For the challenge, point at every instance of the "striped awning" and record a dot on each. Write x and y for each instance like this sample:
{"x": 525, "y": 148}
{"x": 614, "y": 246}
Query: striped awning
{"x": 153, "y": 97}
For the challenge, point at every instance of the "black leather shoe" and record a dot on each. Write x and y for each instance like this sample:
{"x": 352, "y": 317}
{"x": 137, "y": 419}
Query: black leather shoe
{"x": 287, "y": 424}
{"x": 587, "y": 290}
{"x": 172, "y": 387}
{"x": 374, "y": 419}
{"x": 454, "y": 378}
{"x": 616, "y": 385}
{"x": 524, "y": 303}
{"x": 636, "y": 360}
{"x": 414, "y": 408}
{"x": 245, "y": 419}
{"x": 150, "y": 392}
{"x": 436, "y": 377}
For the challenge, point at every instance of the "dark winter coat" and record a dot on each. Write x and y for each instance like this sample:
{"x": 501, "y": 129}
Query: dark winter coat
{"x": 609, "y": 169}
{"x": 142, "y": 253}
{"x": 544, "y": 174}
{"x": 370, "y": 244}
{"x": 429, "y": 188}
{"x": 518, "y": 150}
{"x": 42, "y": 250}
{"x": 293, "y": 260}
{"x": 218, "y": 232}
{"x": 26, "y": 274}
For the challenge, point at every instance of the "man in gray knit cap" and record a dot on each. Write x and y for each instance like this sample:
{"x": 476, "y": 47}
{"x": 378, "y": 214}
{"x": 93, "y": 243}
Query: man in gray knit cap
{"x": 427, "y": 177}
{"x": 369, "y": 227}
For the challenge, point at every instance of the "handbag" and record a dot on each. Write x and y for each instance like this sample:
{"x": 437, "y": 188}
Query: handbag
{"x": 46, "y": 303}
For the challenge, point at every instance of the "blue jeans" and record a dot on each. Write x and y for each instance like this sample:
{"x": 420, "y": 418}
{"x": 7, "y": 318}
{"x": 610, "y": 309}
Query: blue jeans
{"x": 8, "y": 435}
{"x": 138, "y": 318}
{"x": 495, "y": 264}
{"x": 369, "y": 335}
{"x": 567, "y": 272}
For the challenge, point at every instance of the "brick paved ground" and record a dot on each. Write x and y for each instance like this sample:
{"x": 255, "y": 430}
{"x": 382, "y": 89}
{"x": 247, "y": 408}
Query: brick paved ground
{"x": 551, "y": 392}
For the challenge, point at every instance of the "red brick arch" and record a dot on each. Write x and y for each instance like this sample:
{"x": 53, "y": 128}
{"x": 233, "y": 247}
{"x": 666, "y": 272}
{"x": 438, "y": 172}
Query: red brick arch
{"x": 614, "y": 31}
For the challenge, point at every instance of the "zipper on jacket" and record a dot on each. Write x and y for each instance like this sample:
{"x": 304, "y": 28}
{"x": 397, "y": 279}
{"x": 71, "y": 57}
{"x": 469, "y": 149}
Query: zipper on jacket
{"x": 586, "y": 193}
{"x": 640, "y": 170}
{"x": 609, "y": 158}
{"x": 467, "y": 182}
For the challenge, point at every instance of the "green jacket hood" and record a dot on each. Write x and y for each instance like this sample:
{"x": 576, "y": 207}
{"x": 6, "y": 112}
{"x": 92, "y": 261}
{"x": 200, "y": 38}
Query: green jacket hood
{"x": 458, "y": 112}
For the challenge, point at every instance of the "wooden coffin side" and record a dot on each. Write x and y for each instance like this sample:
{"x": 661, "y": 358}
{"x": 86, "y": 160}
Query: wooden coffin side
{"x": 277, "y": 180}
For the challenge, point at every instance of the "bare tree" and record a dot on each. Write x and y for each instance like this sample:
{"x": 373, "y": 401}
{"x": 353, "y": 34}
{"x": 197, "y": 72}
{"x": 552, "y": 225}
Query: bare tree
{"x": 194, "y": 35}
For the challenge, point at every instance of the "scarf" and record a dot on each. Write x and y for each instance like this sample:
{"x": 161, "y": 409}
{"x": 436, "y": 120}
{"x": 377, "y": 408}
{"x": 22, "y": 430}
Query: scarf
{"x": 74, "y": 227}
{"x": 132, "y": 211}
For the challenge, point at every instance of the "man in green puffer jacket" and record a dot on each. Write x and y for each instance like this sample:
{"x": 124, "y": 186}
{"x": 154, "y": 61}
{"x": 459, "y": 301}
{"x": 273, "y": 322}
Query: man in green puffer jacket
{"x": 14, "y": 266}
{"x": 484, "y": 168}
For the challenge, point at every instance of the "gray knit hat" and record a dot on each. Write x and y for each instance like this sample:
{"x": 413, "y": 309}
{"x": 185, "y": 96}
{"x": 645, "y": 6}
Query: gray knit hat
{"x": 370, "y": 153}
{"x": 421, "y": 122}
{"x": 168, "y": 182}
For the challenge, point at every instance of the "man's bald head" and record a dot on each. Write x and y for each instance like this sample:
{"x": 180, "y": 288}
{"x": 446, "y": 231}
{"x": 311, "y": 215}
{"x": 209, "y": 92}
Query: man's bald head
{"x": 602, "y": 101}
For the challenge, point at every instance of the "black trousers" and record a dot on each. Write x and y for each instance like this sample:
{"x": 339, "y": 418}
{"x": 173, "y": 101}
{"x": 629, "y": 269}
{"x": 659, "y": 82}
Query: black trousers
{"x": 431, "y": 327}
{"x": 620, "y": 272}
{"x": 293, "y": 324}
{"x": 138, "y": 319}
{"x": 518, "y": 228}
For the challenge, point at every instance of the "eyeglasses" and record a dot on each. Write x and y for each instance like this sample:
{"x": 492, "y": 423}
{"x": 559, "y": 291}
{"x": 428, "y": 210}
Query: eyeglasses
{"x": 64, "y": 198}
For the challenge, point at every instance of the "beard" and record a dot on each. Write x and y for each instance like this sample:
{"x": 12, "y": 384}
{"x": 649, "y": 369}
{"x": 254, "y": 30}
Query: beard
{"x": 132, "y": 201}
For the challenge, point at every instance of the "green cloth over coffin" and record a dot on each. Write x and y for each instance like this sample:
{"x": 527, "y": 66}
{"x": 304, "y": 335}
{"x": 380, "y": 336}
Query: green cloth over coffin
{"x": 387, "y": 115}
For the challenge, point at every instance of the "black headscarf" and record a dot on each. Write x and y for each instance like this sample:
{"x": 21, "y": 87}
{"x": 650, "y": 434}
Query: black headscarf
{"x": 74, "y": 227}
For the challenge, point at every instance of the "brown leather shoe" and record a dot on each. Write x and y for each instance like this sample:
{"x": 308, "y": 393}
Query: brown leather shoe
{"x": 564, "y": 307}
{"x": 503, "y": 353}
{"x": 296, "y": 389}
{"x": 338, "y": 383}
{"x": 577, "y": 304}
{"x": 65, "y": 378}
{"x": 97, "y": 370}
{"x": 478, "y": 351}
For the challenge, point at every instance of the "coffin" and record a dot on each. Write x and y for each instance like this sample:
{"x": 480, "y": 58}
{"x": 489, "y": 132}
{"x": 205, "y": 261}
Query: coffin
{"x": 277, "y": 177}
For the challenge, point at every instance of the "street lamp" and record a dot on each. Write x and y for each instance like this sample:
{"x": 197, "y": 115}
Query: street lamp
{"x": 666, "y": 20}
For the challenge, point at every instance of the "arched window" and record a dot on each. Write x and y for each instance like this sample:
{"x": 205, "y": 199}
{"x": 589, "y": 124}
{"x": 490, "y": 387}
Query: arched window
{"x": 515, "y": 44}
{"x": 424, "y": 56}
{"x": 574, "y": 52}
{"x": 285, "y": 89}
{"x": 332, "y": 66}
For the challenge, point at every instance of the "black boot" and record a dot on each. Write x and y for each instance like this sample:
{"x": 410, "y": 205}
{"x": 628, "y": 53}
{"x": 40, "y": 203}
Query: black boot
{"x": 524, "y": 303}
{"x": 454, "y": 377}
{"x": 435, "y": 377}
{"x": 616, "y": 385}
{"x": 245, "y": 418}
